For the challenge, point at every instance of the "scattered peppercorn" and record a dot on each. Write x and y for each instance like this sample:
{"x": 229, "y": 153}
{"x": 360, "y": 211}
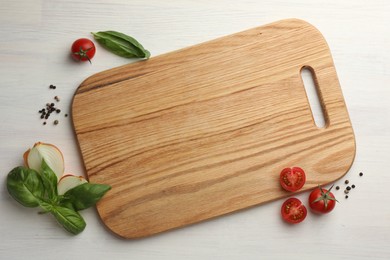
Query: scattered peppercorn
{"x": 346, "y": 191}
{"x": 66, "y": 115}
{"x": 337, "y": 187}
{"x": 50, "y": 108}
{"x": 346, "y": 181}
{"x": 346, "y": 196}
{"x": 353, "y": 186}
{"x": 361, "y": 174}
{"x": 348, "y": 188}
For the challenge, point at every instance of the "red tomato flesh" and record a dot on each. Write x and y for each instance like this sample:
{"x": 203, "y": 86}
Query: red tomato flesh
{"x": 293, "y": 211}
{"x": 292, "y": 179}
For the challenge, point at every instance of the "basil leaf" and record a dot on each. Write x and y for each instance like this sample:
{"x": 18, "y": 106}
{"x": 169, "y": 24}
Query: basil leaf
{"x": 25, "y": 186}
{"x": 49, "y": 179}
{"x": 121, "y": 44}
{"x": 85, "y": 195}
{"x": 66, "y": 203}
{"x": 71, "y": 220}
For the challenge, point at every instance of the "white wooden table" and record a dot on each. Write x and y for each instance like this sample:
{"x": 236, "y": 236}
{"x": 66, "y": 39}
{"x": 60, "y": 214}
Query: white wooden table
{"x": 34, "y": 52}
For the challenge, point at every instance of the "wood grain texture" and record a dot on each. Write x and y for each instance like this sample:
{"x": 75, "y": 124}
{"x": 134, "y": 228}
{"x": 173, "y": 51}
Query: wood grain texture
{"x": 204, "y": 131}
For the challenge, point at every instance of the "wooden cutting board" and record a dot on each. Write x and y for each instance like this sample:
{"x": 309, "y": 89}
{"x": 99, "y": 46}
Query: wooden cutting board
{"x": 205, "y": 131}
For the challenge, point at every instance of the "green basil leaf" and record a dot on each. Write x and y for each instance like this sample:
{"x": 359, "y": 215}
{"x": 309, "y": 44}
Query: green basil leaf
{"x": 25, "y": 186}
{"x": 65, "y": 202}
{"x": 85, "y": 195}
{"x": 49, "y": 179}
{"x": 71, "y": 220}
{"x": 121, "y": 44}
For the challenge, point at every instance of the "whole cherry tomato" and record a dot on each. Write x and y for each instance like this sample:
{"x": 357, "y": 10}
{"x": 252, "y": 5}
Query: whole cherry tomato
{"x": 293, "y": 211}
{"x": 322, "y": 200}
{"x": 292, "y": 179}
{"x": 83, "y": 49}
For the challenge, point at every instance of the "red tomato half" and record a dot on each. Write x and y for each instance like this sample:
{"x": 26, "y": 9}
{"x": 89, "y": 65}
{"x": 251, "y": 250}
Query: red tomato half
{"x": 292, "y": 179}
{"x": 322, "y": 200}
{"x": 83, "y": 49}
{"x": 293, "y": 211}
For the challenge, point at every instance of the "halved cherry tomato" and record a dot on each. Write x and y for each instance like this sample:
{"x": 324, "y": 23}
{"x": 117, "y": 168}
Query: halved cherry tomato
{"x": 322, "y": 200}
{"x": 83, "y": 49}
{"x": 293, "y": 211}
{"x": 292, "y": 179}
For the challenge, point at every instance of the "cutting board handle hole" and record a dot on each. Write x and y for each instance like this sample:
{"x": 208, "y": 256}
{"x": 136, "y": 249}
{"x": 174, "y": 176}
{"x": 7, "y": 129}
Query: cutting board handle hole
{"x": 313, "y": 95}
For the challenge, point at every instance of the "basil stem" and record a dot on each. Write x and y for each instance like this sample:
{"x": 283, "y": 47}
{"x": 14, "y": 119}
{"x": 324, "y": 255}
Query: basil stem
{"x": 71, "y": 220}
{"x": 25, "y": 186}
{"x": 84, "y": 195}
{"x": 121, "y": 44}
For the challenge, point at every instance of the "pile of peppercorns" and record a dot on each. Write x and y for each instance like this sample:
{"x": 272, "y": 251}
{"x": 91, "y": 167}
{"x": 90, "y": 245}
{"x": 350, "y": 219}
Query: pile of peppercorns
{"x": 50, "y": 108}
{"x": 348, "y": 188}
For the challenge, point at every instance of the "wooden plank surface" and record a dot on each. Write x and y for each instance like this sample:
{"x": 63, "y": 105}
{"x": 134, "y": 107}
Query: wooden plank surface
{"x": 205, "y": 130}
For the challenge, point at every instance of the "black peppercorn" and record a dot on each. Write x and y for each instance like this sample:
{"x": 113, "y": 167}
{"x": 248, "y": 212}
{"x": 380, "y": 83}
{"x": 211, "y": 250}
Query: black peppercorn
{"x": 353, "y": 186}
{"x": 348, "y": 188}
{"x": 337, "y": 187}
{"x": 56, "y": 122}
{"x": 361, "y": 174}
{"x": 346, "y": 181}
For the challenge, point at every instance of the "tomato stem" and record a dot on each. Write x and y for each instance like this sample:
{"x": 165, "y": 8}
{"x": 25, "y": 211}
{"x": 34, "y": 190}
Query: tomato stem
{"x": 83, "y": 54}
{"x": 325, "y": 196}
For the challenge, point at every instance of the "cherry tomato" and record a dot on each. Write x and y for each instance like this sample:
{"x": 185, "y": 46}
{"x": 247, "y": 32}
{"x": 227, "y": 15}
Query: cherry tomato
{"x": 292, "y": 179}
{"x": 293, "y": 211}
{"x": 322, "y": 200}
{"x": 83, "y": 49}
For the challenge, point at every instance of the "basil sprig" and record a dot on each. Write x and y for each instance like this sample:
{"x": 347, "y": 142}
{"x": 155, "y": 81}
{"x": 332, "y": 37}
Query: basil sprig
{"x": 121, "y": 44}
{"x": 33, "y": 189}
